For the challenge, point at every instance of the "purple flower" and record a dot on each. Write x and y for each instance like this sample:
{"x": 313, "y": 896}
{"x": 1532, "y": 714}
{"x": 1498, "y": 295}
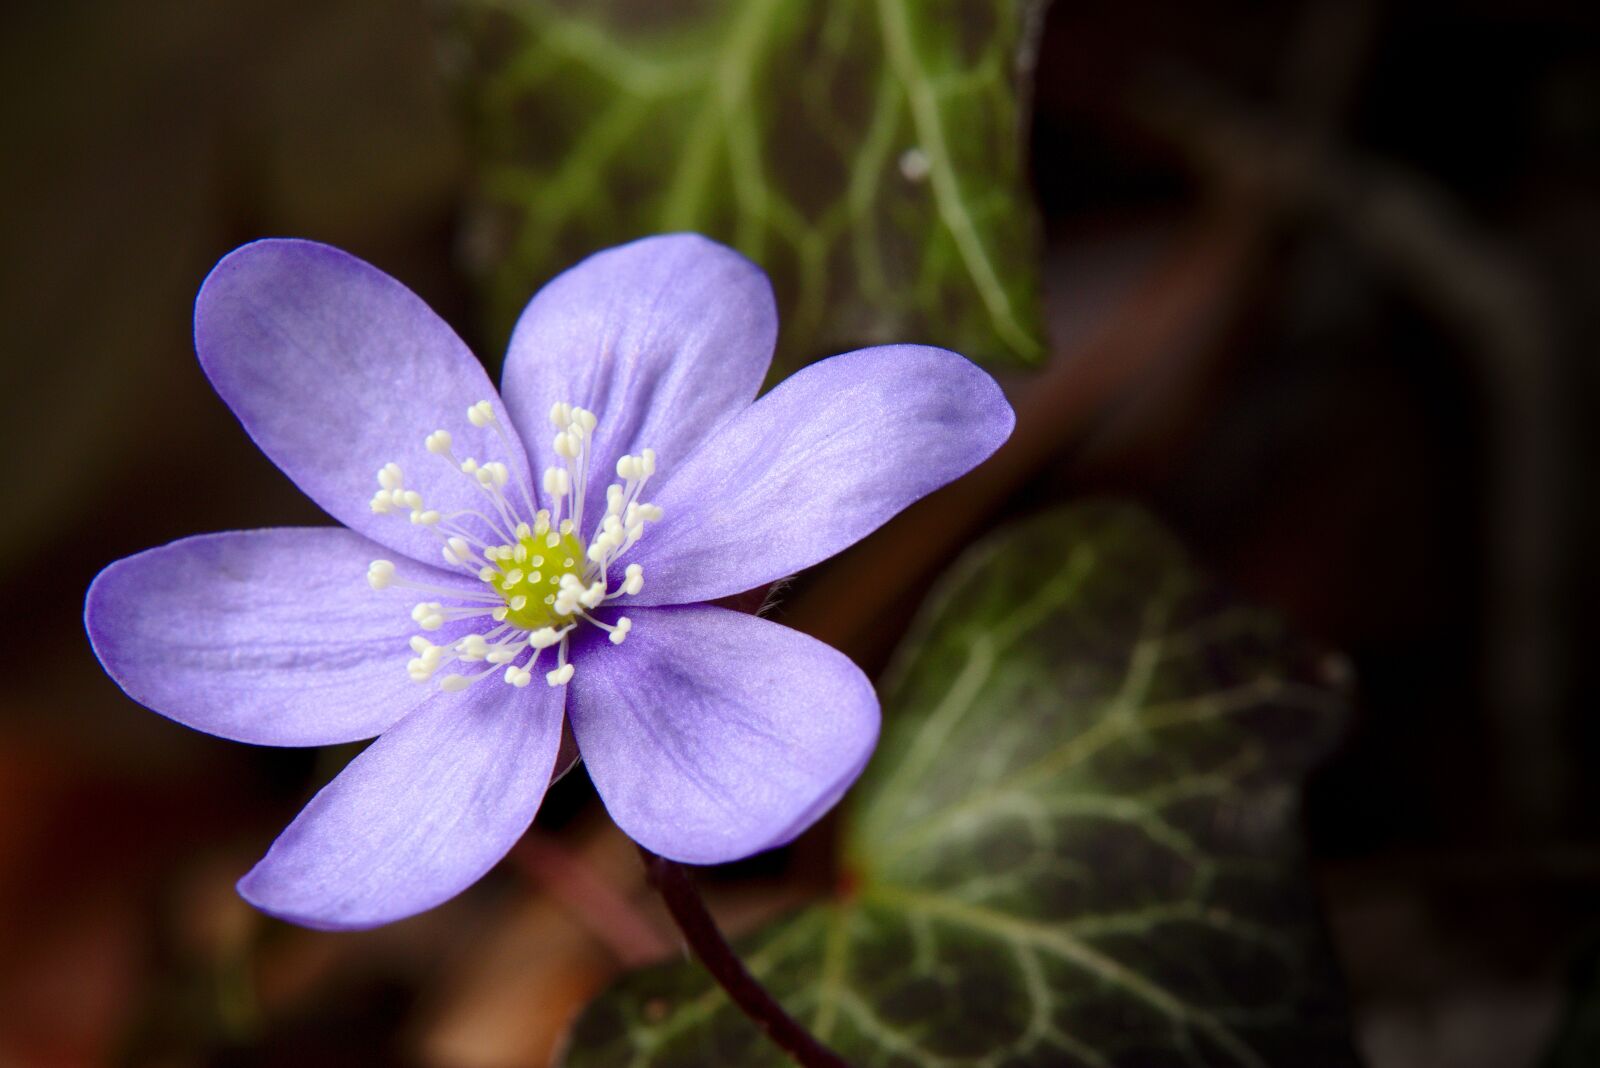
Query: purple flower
{"x": 533, "y": 587}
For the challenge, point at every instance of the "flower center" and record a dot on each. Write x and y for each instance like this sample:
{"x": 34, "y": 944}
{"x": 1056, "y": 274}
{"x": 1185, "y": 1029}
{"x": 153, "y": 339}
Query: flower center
{"x": 543, "y": 577}
{"x": 529, "y": 574}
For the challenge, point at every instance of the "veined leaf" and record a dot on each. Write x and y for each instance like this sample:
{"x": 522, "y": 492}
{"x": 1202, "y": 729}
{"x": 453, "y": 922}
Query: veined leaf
{"x": 1075, "y": 845}
{"x": 867, "y": 153}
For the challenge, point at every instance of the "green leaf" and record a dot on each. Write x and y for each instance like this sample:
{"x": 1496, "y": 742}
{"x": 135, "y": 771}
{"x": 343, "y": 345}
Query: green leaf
{"x": 1075, "y": 845}
{"x": 867, "y": 154}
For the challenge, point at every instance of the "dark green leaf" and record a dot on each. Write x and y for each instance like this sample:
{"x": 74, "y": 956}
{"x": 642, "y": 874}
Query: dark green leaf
{"x": 867, "y": 154}
{"x": 1075, "y": 846}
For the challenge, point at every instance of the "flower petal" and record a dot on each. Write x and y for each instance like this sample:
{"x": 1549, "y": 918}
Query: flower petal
{"x": 712, "y": 735}
{"x": 264, "y": 636}
{"x": 662, "y": 339}
{"x": 336, "y": 369}
{"x": 420, "y": 815}
{"x": 815, "y": 465}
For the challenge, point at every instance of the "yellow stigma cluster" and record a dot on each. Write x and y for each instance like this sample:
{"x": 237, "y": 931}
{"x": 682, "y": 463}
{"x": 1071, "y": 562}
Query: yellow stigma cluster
{"x": 528, "y": 576}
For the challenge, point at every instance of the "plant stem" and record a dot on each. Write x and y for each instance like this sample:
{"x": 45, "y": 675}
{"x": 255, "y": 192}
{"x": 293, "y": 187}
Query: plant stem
{"x": 705, "y": 941}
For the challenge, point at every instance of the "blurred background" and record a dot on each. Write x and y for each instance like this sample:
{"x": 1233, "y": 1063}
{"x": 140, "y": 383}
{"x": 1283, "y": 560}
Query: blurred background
{"x": 1321, "y": 283}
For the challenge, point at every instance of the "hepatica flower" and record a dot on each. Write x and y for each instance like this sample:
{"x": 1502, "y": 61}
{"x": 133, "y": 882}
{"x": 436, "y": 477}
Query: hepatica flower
{"x": 518, "y": 560}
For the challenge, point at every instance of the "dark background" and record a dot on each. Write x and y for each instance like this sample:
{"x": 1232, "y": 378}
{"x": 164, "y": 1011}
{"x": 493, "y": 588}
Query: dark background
{"x": 1339, "y": 264}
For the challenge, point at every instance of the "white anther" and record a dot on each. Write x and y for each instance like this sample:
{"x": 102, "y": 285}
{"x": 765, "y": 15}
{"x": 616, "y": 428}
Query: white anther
{"x": 628, "y": 468}
{"x": 454, "y": 683}
{"x": 557, "y": 482}
{"x": 472, "y": 647}
{"x": 566, "y": 444}
{"x": 429, "y": 615}
{"x": 469, "y": 466}
{"x": 560, "y": 676}
{"x": 382, "y": 504}
{"x": 457, "y": 551}
{"x": 634, "y": 580}
{"x": 419, "y": 670}
{"x": 544, "y": 638}
{"x": 518, "y": 603}
{"x": 524, "y": 531}
{"x": 648, "y": 459}
{"x": 389, "y": 477}
{"x": 500, "y": 614}
{"x": 560, "y": 415}
{"x": 502, "y": 655}
{"x": 585, "y": 419}
{"x": 499, "y": 471}
{"x": 481, "y": 414}
{"x": 513, "y": 576}
{"x": 518, "y": 677}
{"x": 551, "y": 540}
{"x": 426, "y": 519}
{"x": 438, "y": 442}
{"x": 614, "y": 499}
{"x": 420, "y": 645}
{"x": 379, "y": 574}
{"x": 410, "y": 498}
{"x": 623, "y": 626}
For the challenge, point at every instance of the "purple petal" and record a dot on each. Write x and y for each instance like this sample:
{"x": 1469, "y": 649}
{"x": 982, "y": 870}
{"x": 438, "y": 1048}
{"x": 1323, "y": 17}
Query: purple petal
{"x": 815, "y": 465}
{"x": 419, "y": 816}
{"x": 336, "y": 369}
{"x": 662, "y": 339}
{"x": 712, "y": 735}
{"x": 264, "y": 636}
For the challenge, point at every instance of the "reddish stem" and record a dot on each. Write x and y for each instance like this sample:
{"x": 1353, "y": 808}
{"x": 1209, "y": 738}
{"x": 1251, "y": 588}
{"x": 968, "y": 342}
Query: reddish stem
{"x": 705, "y": 941}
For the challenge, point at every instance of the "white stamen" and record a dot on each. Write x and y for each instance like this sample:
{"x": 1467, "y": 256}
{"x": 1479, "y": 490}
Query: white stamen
{"x": 379, "y": 574}
{"x": 457, "y": 551}
{"x": 517, "y": 555}
{"x": 557, "y": 483}
{"x": 634, "y": 580}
